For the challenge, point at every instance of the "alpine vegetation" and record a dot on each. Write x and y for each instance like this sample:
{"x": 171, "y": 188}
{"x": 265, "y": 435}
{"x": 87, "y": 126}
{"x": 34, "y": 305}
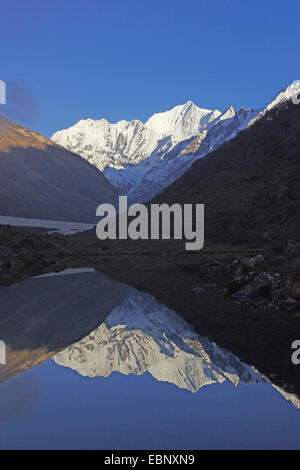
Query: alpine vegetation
{"x": 163, "y": 221}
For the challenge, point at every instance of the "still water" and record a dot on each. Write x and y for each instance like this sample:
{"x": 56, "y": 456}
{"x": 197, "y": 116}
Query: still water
{"x": 95, "y": 364}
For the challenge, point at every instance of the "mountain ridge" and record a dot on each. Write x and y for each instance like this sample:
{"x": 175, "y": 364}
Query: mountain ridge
{"x": 36, "y": 175}
{"x": 249, "y": 185}
{"x": 129, "y": 151}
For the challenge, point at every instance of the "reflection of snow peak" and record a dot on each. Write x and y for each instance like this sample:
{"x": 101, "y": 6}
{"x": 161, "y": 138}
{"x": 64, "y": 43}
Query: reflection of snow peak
{"x": 141, "y": 335}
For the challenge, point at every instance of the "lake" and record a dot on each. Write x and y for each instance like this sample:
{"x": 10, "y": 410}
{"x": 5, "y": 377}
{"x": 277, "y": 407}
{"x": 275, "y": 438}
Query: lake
{"x": 95, "y": 364}
{"x": 59, "y": 226}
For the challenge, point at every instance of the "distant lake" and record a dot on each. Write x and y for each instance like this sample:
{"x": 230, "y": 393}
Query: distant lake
{"x": 95, "y": 364}
{"x": 65, "y": 228}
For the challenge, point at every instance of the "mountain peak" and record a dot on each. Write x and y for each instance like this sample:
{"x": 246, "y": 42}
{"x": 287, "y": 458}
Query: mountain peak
{"x": 287, "y": 94}
{"x": 189, "y": 103}
{"x": 284, "y": 95}
{"x": 182, "y": 122}
{"x": 230, "y": 111}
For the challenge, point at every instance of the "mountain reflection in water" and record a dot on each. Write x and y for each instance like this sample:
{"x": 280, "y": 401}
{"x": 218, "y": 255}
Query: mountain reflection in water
{"x": 129, "y": 367}
{"x": 97, "y": 326}
{"x": 141, "y": 335}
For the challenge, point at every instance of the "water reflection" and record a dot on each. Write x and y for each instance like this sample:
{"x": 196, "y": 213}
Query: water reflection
{"x": 140, "y": 335}
{"x": 41, "y": 316}
{"x": 97, "y": 326}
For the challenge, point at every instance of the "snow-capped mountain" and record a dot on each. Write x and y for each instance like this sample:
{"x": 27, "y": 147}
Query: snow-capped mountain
{"x": 293, "y": 90}
{"x": 140, "y": 335}
{"x": 104, "y": 144}
{"x": 130, "y": 142}
{"x": 141, "y": 159}
{"x": 182, "y": 121}
{"x": 160, "y": 173}
{"x": 128, "y": 151}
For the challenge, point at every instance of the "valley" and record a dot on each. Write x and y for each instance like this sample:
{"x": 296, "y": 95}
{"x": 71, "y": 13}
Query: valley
{"x": 240, "y": 292}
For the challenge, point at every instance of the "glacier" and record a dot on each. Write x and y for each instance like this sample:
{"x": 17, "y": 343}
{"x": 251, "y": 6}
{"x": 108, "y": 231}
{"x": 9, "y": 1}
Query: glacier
{"x": 141, "y": 159}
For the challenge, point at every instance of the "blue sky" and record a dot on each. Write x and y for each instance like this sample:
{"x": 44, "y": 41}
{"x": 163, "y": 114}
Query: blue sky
{"x": 66, "y": 60}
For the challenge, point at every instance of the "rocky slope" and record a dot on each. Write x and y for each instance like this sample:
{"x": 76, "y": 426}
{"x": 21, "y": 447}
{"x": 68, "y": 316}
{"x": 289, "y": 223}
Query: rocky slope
{"x": 40, "y": 179}
{"x": 249, "y": 185}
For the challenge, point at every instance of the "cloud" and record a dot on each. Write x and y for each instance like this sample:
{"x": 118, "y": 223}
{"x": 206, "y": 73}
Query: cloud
{"x": 21, "y": 102}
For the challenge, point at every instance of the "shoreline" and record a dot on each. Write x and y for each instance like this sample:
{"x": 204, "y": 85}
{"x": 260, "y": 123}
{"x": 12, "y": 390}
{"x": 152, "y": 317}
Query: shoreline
{"x": 196, "y": 285}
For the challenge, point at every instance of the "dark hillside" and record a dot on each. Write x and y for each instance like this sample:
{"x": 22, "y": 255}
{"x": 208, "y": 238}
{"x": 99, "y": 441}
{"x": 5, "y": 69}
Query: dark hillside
{"x": 250, "y": 185}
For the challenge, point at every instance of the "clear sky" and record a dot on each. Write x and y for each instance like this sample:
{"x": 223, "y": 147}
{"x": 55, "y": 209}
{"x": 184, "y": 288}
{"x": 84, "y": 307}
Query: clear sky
{"x": 64, "y": 60}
